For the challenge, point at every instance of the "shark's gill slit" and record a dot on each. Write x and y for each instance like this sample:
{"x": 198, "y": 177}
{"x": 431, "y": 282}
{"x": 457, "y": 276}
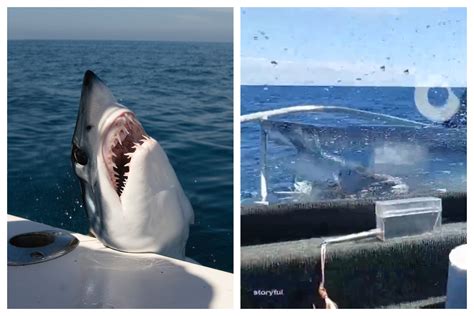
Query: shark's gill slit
{"x": 123, "y": 137}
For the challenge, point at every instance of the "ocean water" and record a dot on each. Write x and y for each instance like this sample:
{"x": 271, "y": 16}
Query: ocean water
{"x": 181, "y": 93}
{"x": 394, "y": 161}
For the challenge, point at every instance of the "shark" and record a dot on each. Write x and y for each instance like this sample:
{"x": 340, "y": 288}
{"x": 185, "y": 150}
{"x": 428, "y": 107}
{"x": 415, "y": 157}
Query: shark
{"x": 320, "y": 173}
{"x": 133, "y": 199}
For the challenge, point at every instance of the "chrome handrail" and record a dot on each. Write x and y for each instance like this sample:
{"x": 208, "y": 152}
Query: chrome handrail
{"x": 263, "y": 115}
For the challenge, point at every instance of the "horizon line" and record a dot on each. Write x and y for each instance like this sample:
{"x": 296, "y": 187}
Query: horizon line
{"x": 342, "y": 86}
{"x": 119, "y": 40}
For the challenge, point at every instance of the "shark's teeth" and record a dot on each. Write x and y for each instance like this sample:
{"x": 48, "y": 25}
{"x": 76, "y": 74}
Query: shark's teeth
{"x": 123, "y": 133}
{"x": 123, "y": 139}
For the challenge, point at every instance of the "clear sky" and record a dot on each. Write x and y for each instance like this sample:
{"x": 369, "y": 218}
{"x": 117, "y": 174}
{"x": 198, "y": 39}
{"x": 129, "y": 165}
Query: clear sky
{"x": 354, "y": 46}
{"x": 167, "y": 24}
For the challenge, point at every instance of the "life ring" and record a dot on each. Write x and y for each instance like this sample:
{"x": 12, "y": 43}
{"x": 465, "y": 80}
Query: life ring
{"x": 436, "y": 113}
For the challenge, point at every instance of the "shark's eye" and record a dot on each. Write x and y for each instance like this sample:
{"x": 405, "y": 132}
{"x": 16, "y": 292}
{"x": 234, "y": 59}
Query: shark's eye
{"x": 79, "y": 155}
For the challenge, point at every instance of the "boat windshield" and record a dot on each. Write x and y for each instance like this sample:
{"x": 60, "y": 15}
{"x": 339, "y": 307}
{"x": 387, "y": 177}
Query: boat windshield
{"x": 375, "y": 106}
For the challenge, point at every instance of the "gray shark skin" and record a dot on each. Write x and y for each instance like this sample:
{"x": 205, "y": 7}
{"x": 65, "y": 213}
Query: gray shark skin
{"x": 133, "y": 199}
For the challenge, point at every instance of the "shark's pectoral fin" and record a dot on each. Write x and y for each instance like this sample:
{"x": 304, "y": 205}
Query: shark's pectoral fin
{"x": 191, "y": 260}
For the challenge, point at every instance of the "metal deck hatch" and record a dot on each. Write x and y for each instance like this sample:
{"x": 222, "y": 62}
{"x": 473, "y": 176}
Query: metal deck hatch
{"x": 40, "y": 246}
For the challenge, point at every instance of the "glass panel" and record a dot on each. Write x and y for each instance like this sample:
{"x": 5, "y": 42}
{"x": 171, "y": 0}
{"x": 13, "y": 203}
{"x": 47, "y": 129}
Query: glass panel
{"x": 409, "y": 63}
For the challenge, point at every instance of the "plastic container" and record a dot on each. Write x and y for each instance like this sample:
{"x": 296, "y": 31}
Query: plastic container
{"x": 456, "y": 296}
{"x": 407, "y": 217}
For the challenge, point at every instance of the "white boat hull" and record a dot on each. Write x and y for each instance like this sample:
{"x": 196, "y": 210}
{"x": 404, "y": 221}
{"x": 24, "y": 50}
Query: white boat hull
{"x": 94, "y": 276}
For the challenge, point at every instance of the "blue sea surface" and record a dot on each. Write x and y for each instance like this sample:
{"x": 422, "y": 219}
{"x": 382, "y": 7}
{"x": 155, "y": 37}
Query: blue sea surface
{"x": 292, "y": 165}
{"x": 181, "y": 93}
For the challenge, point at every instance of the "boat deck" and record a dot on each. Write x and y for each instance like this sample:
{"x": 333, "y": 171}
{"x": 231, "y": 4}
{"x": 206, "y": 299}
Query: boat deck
{"x": 282, "y": 246}
{"x": 94, "y": 276}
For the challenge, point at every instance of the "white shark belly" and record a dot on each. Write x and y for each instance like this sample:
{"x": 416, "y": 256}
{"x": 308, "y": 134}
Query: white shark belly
{"x": 158, "y": 212}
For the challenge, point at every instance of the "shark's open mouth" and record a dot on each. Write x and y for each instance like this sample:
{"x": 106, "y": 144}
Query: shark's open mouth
{"x": 121, "y": 141}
